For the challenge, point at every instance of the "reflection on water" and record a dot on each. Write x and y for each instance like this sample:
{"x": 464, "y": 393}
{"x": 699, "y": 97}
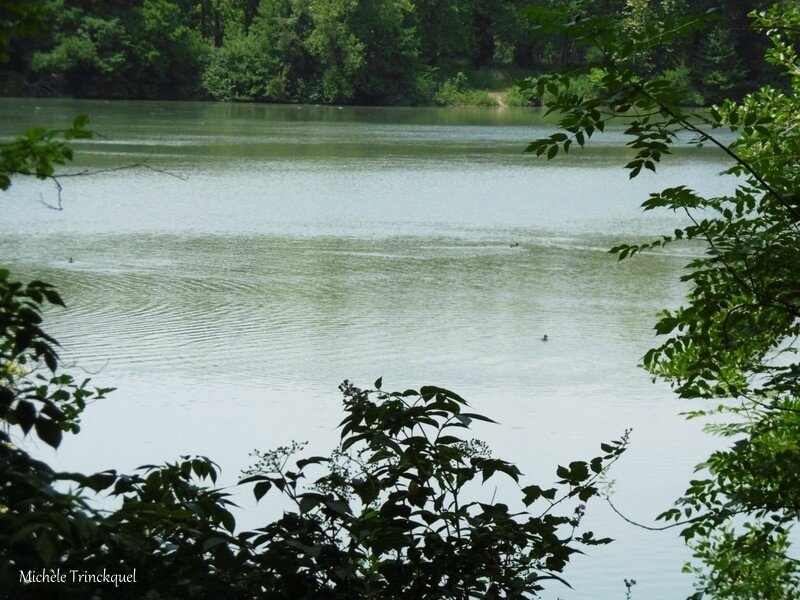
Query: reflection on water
{"x": 308, "y": 245}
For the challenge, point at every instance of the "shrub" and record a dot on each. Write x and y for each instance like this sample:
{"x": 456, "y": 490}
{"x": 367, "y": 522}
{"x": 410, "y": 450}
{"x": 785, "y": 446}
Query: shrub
{"x": 390, "y": 514}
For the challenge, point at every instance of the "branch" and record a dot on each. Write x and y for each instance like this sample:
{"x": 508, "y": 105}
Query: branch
{"x": 649, "y": 527}
{"x": 142, "y": 164}
{"x": 56, "y": 179}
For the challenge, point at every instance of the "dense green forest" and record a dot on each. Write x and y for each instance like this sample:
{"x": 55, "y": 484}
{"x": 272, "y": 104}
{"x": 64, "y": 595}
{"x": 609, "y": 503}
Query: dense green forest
{"x": 355, "y": 51}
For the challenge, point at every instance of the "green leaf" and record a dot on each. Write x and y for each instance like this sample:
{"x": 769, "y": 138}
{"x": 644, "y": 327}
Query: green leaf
{"x": 80, "y": 122}
{"x": 213, "y": 542}
{"x": 45, "y": 547}
{"x": 477, "y": 417}
{"x": 261, "y": 488}
{"x": 100, "y": 481}
{"x": 24, "y": 415}
{"x": 463, "y": 419}
{"x": 448, "y": 439}
{"x": 227, "y": 520}
{"x": 309, "y": 501}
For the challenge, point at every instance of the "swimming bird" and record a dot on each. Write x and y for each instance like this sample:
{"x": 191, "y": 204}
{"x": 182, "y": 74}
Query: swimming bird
{"x": 545, "y": 338}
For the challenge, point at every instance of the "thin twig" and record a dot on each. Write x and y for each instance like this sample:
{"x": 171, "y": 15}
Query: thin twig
{"x": 649, "y": 527}
{"x": 56, "y": 179}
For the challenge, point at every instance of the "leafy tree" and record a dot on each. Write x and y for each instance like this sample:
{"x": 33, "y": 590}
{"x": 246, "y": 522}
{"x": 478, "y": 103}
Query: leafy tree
{"x": 87, "y": 53}
{"x": 20, "y": 18}
{"x": 733, "y": 344}
{"x": 144, "y": 51}
{"x": 337, "y": 50}
{"x": 443, "y": 28}
{"x": 358, "y": 51}
{"x": 268, "y": 63}
{"x": 720, "y": 71}
{"x": 168, "y": 55}
{"x": 322, "y": 51}
{"x": 391, "y": 51}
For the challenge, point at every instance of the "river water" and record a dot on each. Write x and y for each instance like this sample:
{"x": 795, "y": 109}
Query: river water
{"x": 268, "y": 252}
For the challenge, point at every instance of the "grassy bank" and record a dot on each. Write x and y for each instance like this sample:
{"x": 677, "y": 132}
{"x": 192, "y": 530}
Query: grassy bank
{"x": 497, "y": 86}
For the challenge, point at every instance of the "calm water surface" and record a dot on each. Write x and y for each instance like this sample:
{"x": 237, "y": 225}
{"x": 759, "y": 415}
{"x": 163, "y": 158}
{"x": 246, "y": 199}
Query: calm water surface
{"x": 303, "y": 245}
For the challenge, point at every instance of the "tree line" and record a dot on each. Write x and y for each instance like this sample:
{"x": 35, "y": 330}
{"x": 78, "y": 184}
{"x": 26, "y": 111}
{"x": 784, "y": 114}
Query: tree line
{"x": 373, "y": 52}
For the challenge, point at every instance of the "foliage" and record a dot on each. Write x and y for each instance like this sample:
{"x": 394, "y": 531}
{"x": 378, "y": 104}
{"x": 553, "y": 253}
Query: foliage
{"x": 516, "y": 96}
{"x": 734, "y": 342}
{"x": 269, "y": 63}
{"x": 392, "y": 516}
{"x": 20, "y": 19}
{"x": 680, "y": 79}
{"x": 454, "y": 92}
{"x": 389, "y": 516}
{"x": 163, "y": 516}
{"x": 147, "y": 50}
{"x": 39, "y": 151}
{"x": 721, "y": 67}
{"x": 337, "y": 48}
{"x": 343, "y": 51}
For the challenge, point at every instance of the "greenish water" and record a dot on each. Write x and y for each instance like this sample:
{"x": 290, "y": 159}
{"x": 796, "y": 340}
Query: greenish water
{"x": 300, "y": 246}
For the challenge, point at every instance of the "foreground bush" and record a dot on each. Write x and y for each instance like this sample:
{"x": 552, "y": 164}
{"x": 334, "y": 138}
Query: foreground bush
{"x": 390, "y": 514}
{"x": 733, "y": 346}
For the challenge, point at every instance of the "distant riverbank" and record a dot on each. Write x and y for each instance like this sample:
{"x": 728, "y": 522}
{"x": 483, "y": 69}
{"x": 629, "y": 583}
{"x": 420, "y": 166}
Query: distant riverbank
{"x": 388, "y": 53}
{"x": 493, "y": 86}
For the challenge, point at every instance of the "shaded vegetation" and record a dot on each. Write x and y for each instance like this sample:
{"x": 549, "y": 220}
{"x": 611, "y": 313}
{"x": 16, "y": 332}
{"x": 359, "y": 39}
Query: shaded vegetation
{"x": 733, "y": 345}
{"x": 399, "y": 509}
{"x": 355, "y": 51}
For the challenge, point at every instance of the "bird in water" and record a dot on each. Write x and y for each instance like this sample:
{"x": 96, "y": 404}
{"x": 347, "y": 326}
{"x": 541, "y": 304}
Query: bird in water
{"x": 545, "y": 338}
{"x": 514, "y": 245}
{"x": 70, "y": 259}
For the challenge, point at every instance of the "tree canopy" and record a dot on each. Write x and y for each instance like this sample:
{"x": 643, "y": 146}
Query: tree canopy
{"x": 350, "y": 51}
